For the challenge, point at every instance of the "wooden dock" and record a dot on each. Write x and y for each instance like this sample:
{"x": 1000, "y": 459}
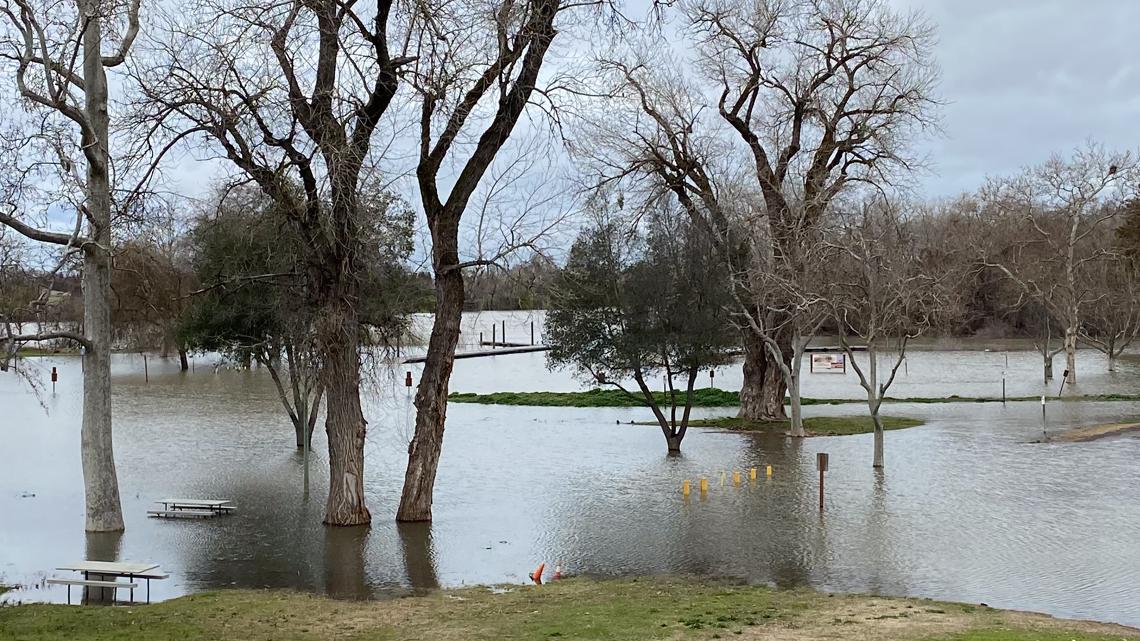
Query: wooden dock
{"x": 503, "y": 351}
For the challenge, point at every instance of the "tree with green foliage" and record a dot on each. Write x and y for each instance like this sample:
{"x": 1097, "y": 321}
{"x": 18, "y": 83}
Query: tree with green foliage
{"x": 254, "y": 304}
{"x": 634, "y": 303}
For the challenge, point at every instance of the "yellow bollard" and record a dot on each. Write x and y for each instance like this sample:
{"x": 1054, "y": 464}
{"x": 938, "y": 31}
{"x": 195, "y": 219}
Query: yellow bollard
{"x": 704, "y": 485}
{"x": 751, "y": 474}
{"x": 768, "y": 472}
{"x": 736, "y": 477}
{"x": 685, "y": 487}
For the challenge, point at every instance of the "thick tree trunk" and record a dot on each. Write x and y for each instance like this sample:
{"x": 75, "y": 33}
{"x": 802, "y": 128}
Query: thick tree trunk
{"x": 104, "y": 512}
{"x": 1048, "y": 366}
{"x": 431, "y": 398}
{"x": 183, "y": 361}
{"x": 338, "y": 339}
{"x": 101, "y": 484}
{"x": 763, "y": 390}
{"x": 673, "y": 444}
{"x": 1111, "y": 360}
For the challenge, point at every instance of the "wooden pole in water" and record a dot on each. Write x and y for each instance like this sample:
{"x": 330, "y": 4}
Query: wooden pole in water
{"x": 146, "y": 370}
{"x": 494, "y": 331}
{"x": 532, "y": 332}
{"x": 821, "y": 491}
{"x": 504, "y": 333}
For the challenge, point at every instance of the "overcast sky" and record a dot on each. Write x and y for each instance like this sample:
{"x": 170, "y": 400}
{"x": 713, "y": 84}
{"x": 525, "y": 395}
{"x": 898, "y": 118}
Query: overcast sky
{"x": 1025, "y": 78}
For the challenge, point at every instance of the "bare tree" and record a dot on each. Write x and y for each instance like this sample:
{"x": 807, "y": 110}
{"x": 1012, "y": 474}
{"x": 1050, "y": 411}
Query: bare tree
{"x": 58, "y": 53}
{"x": 477, "y": 67}
{"x": 1111, "y": 318}
{"x": 882, "y": 295}
{"x": 820, "y": 95}
{"x": 292, "y": 93}
{"x": 1061, "y": 207}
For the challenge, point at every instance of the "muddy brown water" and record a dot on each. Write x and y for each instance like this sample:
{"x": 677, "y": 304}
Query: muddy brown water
{"x": 967, "y": 509}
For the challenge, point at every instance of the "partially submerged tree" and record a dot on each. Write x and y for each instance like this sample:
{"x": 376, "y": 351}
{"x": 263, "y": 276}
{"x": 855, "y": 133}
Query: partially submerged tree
{"x": 632, "y": 305}
{"x": 1111, "y": 318}
{"x": 1060, "y": 207}
{"x": 292, "y": 94}
{"x": 477, "y": 67}
{"x": 59, "y": 53}
{"x": 816, "y": 95}
{"x": 882, "y": 295}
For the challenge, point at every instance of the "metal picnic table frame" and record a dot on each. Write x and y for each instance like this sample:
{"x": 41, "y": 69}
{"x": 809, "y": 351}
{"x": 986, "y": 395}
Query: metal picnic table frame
{"x": 103, "y": 569}
{"x": 217, "y": 506}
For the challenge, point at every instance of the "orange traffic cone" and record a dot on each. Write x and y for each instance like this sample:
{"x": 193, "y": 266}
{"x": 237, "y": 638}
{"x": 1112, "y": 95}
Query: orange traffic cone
{"x": 536, "y": 576}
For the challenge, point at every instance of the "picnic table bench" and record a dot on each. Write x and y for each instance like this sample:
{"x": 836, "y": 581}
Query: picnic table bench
{"x": 192, "y": 508}
{"x": 96, "y": 573}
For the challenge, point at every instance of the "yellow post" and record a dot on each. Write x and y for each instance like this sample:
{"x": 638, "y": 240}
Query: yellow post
{"x": 723, "y": 477}
{"x": 685, "y": 487}
{"x": 768, "y": 472}
{"x": 736, "y": 477}
{"x": 704, "y": 485}
{"x": 751, "y": 474}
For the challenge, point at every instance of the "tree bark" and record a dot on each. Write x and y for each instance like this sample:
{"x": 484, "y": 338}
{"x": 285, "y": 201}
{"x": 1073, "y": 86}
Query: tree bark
{"x": 431, "y": 396}
{"x": 762, "y": 393}
{"x": 183, "y": 361}
{"x": 101, "y": 484}
{"x": 1048, "y": 366}
{"x": 337, "y": 331}
{"x": 878, "y": 462}
{"x": 794, "y": 388}
{"x": 1071, "y": 354}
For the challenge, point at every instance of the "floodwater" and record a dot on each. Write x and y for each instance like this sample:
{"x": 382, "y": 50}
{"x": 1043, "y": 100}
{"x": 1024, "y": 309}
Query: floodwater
{"x": 968, "y": 508}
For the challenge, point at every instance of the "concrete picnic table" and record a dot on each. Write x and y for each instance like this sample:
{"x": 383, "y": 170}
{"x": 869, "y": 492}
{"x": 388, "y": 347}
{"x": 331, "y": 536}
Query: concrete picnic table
{"x": 103, "y": 569}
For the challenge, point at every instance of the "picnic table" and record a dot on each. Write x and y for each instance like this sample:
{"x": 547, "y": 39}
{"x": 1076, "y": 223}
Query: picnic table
{"x": 174, "y": 508}
{"x": 104, "y": 575}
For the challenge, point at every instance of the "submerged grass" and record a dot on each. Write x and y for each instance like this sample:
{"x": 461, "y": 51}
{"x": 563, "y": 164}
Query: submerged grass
{"x": 814, "y": 426}
{"x": 713, "y": 397}
{"x": 614, "y": 610}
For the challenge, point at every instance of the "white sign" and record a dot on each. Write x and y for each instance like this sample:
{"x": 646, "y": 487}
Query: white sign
{"x": 825, "y": 363}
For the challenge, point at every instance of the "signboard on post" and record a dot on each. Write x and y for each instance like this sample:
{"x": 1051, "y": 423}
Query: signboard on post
{"x": 829, "y": 363}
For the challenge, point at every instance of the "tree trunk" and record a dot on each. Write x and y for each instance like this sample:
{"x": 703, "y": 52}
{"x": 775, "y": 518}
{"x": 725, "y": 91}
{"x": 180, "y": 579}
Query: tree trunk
{"x": 763, "y": 390}
{"x": 1048, "y": 366}
{"x": 794, "y": 388}
{"x": 183, "y": 361}
{"x": 878, "y": 463}
{"x": 673, "y": 443}
{"x": 101, "y": 484}
{"x": 797, "y": 415}
{"x": 1071, "y": 354}
{"x": 337, "y": 332}
{"x": 431, "y": 397}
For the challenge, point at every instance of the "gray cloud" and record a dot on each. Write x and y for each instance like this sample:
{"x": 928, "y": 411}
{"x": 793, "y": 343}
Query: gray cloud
{"x": 1023, "y": 79}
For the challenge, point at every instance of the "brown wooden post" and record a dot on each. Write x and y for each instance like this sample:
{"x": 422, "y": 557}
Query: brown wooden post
{"x": 821, "y": 465}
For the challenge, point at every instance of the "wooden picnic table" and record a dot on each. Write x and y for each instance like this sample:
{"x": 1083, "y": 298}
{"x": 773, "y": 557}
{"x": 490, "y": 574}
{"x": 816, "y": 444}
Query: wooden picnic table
{"x": 100, "y": 570}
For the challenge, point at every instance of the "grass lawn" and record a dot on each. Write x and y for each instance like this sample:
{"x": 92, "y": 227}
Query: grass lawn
{"x": 814, "y": 426}
{"x": 572, "y": 609}
{"x": 713, "y": 397}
